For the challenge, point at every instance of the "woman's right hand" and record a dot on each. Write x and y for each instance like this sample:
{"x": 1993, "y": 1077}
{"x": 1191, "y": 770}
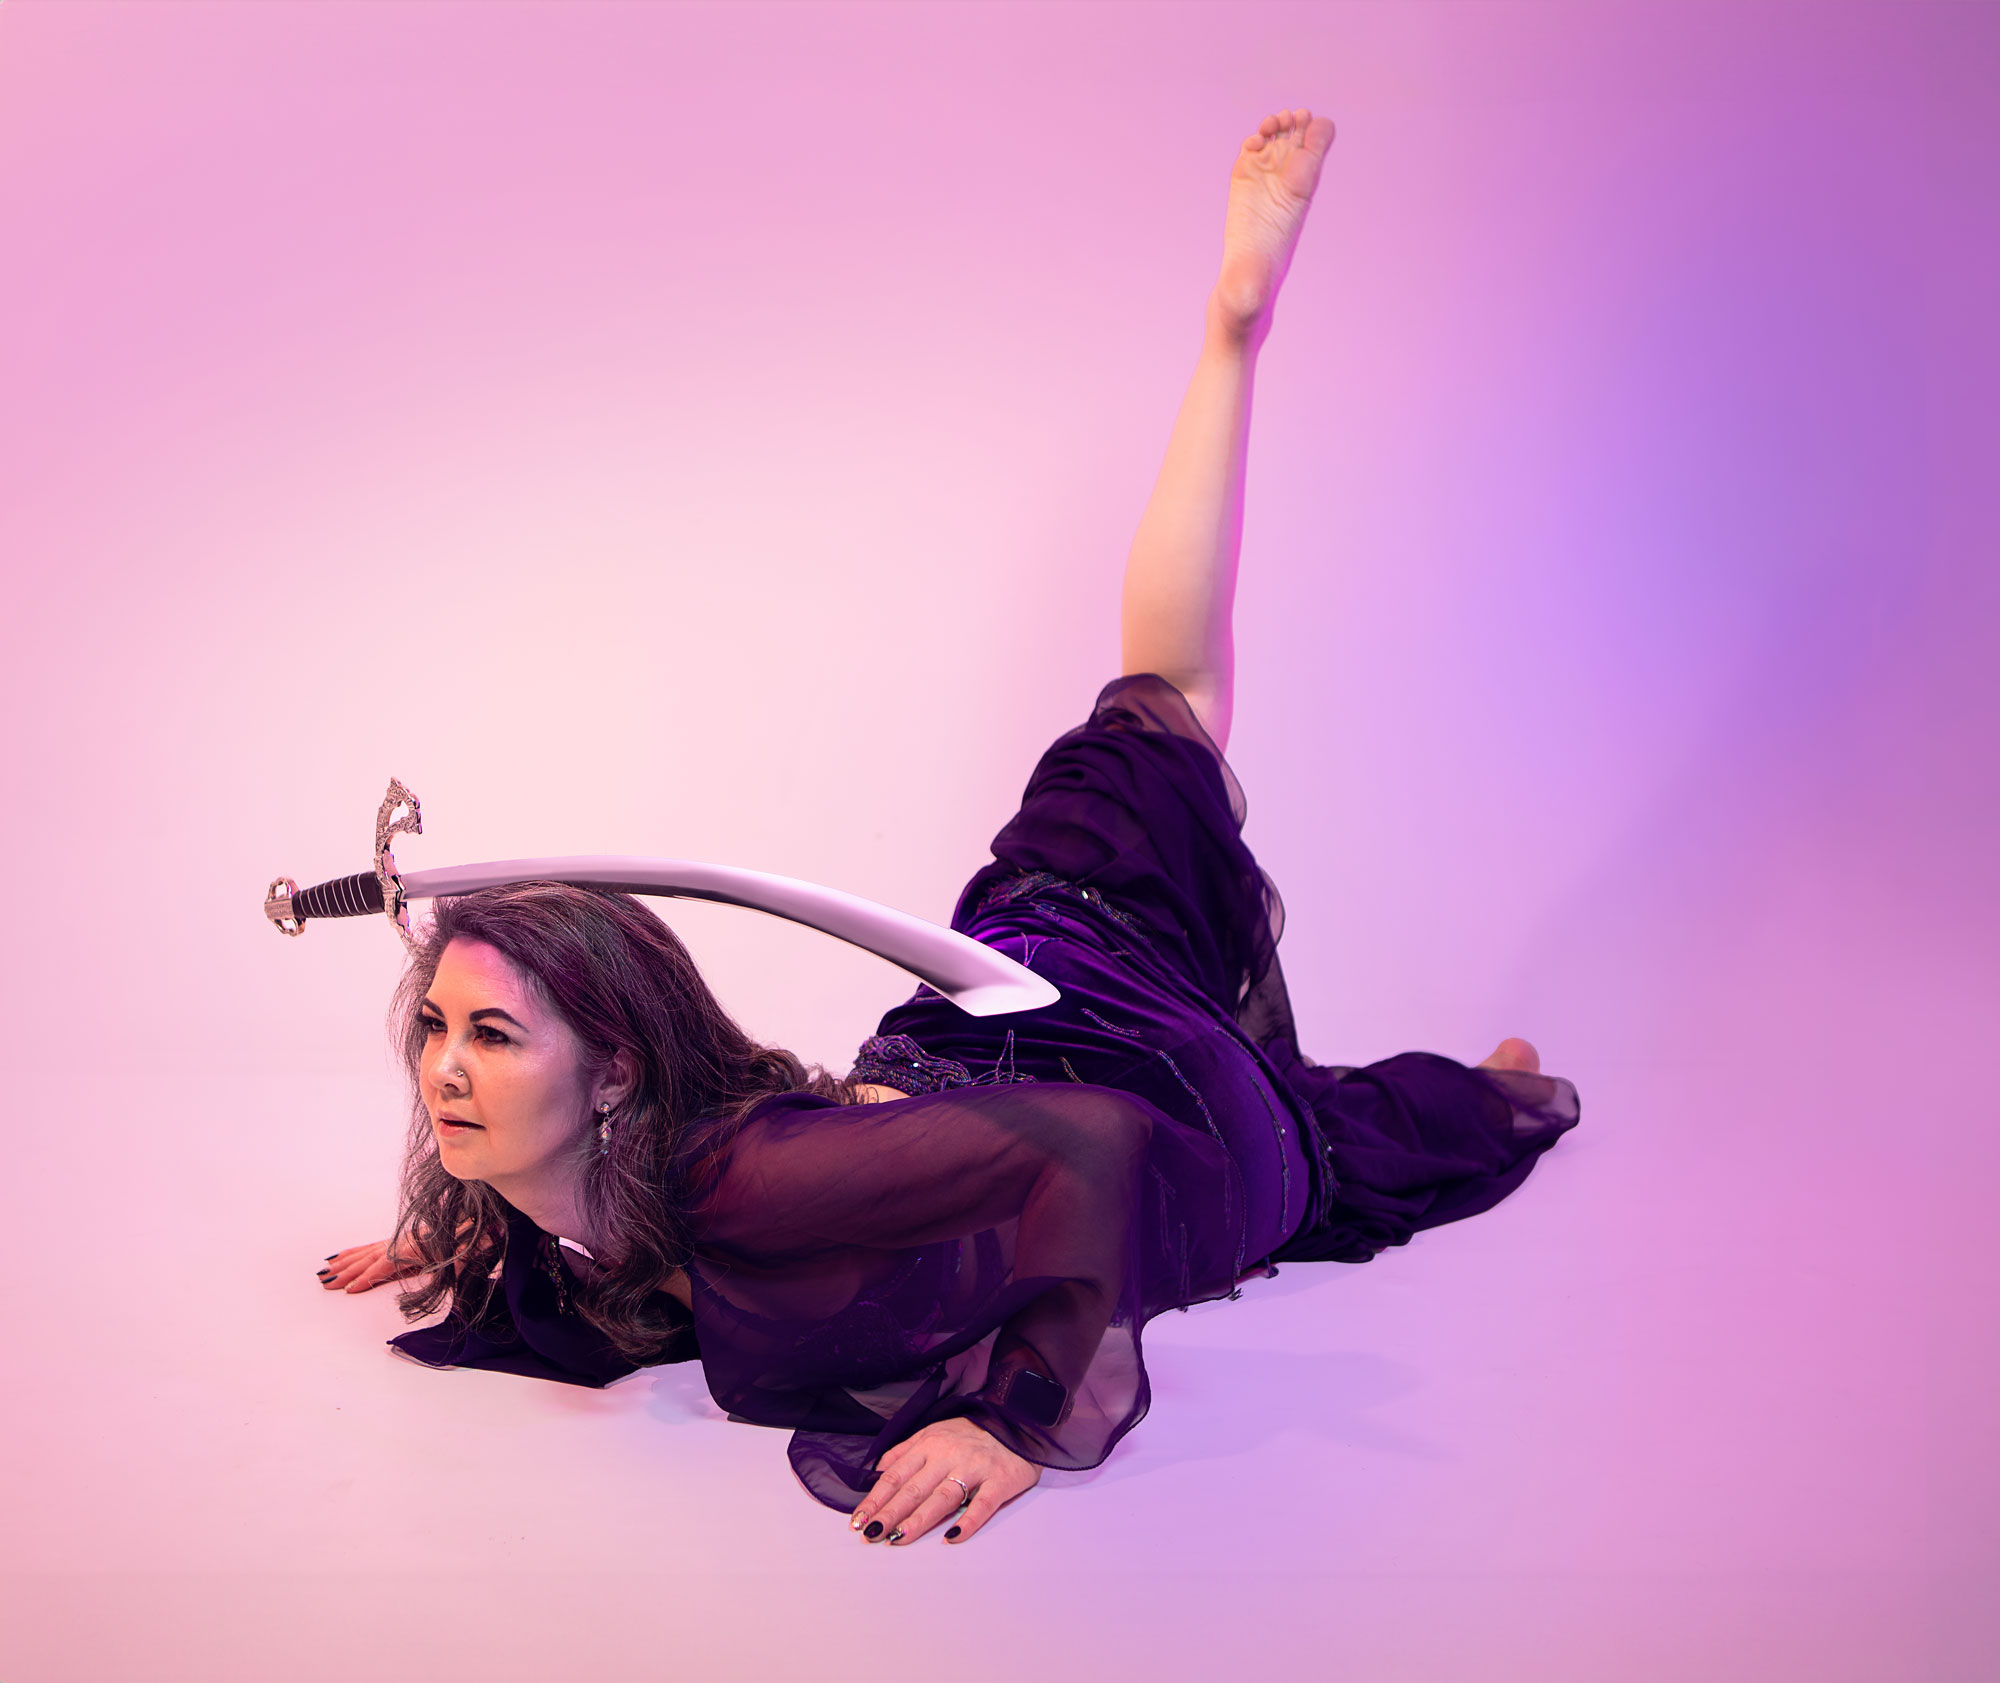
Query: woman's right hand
{"x": 364, "y": 1267}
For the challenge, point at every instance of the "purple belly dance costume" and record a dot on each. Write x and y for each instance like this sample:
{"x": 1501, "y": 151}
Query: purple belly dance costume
{"x": 993, "y": 1245}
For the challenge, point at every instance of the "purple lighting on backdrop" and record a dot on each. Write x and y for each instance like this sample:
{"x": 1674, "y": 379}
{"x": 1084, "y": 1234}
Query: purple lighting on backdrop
{"x": 715, "y": 432}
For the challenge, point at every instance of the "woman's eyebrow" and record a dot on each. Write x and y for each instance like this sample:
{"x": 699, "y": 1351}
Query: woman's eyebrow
{"x": 495, "y": 1011}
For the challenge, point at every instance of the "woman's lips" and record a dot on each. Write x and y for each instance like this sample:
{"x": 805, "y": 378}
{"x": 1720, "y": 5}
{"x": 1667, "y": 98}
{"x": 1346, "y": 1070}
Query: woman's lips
{"x": 455, "y": 1122}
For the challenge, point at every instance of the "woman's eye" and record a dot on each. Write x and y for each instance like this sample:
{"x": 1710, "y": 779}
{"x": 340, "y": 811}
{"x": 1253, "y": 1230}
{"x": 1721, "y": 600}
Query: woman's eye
{"x": 432, "y": 1025}
{"x": 492, "y": 1036}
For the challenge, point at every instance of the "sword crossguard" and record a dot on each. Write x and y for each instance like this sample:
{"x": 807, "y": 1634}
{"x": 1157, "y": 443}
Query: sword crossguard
{"x": 387, "y": 824}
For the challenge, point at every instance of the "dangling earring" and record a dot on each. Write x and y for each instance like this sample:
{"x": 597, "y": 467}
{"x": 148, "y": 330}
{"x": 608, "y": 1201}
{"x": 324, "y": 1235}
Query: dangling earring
{"x": 604, "y": 1128}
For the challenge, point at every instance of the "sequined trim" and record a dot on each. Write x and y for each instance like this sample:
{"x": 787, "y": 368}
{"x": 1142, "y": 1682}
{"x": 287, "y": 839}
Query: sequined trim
{"x": 552, "y": 1265}
{"x": 898, "y": 1061}
{"x": 1031, "y": 883}
{"x": 895, "y": 1060}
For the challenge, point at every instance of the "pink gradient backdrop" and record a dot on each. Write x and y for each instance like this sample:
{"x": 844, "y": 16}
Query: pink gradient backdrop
{"x": 716, "y": 431}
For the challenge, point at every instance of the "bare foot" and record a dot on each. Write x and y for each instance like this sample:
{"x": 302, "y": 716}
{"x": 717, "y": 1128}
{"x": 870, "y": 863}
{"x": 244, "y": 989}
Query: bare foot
{"x": 1270, "y": 190}
{"x": 1514, "y": 1053}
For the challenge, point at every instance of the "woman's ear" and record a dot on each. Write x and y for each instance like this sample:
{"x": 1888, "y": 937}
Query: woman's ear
{"x": 619, "y": 1081}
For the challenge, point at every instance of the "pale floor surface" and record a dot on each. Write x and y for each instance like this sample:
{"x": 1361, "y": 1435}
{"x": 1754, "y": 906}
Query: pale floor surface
{"x": 1650, "y": 1419}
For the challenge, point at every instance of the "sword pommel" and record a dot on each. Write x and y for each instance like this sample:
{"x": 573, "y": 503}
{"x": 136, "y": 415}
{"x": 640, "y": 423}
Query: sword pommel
{"x": 278, "y": 906}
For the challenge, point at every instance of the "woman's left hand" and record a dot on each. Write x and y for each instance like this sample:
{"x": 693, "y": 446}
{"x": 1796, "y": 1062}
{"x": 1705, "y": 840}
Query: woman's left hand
{"x": 928, "y": 1477}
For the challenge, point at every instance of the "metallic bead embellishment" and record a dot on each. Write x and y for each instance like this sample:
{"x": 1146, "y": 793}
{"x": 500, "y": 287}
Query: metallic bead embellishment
{"x": 552, "y": 1266}
{"x": 898, "y": 1061}
{"x": 895, "y": 1060}
{"x": 1031, "y": 883}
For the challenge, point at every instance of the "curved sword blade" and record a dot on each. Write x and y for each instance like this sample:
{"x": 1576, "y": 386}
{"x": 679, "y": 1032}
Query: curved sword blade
{"x": 980, "y": 980}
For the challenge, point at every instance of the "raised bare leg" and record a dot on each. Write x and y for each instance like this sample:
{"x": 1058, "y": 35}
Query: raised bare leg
{"x": 1180, "y": 578}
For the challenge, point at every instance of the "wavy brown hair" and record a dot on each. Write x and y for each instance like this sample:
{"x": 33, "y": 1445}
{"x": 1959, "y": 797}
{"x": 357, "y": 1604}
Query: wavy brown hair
{"x": 622, "y": 981}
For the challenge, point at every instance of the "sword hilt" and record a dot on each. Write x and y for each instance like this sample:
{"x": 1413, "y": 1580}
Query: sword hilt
{"x": 354, "y": 896}
{"x": 278, "y": 906}
{"x": 289, "y": 906}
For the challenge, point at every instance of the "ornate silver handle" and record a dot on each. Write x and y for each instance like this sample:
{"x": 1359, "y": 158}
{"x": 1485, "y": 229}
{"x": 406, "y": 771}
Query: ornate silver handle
{"x": 387, "y": 825}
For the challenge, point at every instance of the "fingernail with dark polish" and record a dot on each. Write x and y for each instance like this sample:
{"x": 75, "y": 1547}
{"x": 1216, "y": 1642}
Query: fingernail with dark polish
{"x": 336, "y": 1253}
{"x": 874, "y": 1530}
{"x": 895, "y": 1536}
{"x": 951, "y": 1536}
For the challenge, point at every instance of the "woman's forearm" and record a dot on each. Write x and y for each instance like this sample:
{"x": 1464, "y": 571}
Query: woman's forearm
{"x": 1180, "y": 578}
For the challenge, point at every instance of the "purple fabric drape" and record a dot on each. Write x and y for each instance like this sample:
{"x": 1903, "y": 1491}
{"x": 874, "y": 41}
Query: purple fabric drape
{"x": 993, "y": 1245}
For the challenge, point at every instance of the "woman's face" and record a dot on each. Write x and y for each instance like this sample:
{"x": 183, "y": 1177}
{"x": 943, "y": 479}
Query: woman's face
{"x": 503, "y": 1078}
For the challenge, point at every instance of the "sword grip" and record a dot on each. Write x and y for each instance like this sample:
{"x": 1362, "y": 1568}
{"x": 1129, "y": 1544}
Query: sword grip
{"x": 354, "y": 896}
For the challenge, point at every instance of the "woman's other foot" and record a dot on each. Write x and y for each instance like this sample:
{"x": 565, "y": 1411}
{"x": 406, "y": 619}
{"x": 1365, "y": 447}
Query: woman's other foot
{"x": 1270, "y": 190}
{"x": 1516, "y": 1054}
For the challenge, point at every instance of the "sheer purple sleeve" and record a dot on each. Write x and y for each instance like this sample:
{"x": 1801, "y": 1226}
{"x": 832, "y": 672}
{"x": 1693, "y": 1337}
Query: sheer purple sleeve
{"x": 865, "y": 1270}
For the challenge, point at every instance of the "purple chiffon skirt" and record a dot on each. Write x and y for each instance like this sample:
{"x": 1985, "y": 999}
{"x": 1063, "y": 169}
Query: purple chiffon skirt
{"x": 860, "y": 1271}
{"x": 1124, "y": 879}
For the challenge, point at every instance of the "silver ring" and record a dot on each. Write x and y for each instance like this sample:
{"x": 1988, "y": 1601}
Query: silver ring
{"x": 963, "y": 1486}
